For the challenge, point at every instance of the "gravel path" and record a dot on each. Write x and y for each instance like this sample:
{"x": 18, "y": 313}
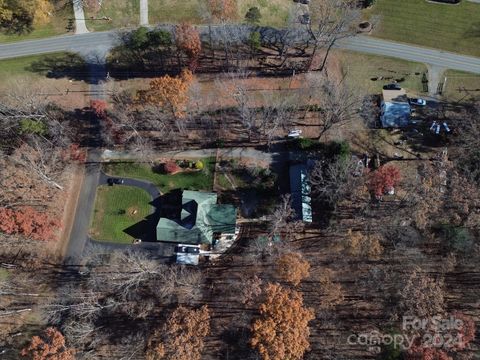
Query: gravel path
{"x": 80, "y": 26}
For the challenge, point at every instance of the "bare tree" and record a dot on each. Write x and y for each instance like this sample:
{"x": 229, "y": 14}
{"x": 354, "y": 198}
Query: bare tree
{"x": 332, "y": 181}
{"x": 330, "y": 20}
{"x": 337, "y": 103}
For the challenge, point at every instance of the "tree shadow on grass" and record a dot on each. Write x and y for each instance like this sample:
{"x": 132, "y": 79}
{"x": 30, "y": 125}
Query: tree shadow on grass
{"x": 69, "y": 65}
{"x": 146, "y": 229}
{"x": 164, "y": 206}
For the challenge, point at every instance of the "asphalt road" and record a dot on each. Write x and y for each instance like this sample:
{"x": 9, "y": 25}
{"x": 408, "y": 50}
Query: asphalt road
{"x": 106, "y": 40}
{"x": 439, "y": 58}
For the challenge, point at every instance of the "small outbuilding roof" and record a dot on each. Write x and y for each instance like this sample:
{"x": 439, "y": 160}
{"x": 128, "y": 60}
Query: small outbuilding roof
{"x": 395, "y": 109}
{"x": 300, "y": 192}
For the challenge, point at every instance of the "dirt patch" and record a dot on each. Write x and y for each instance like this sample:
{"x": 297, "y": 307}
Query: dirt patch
{"x": 132, "y": 211}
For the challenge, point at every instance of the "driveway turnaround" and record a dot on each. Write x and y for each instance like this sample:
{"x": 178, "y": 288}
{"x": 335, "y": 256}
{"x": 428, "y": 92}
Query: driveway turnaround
{"x": 151, "y": 189}
{"x": 79, "y": 238}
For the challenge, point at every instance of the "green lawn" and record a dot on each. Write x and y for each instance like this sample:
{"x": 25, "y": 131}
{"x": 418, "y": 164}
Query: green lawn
{"x": 461, "y": 85}
{"x": 450, "y": 27}
{"x": 124, "y": 13}
{"x": 274, "y": 12}
{"x": 23, "y": 65}
{"x": 201, "y": 180}
{"x": 116, "y": 209}
{"x": 57, "y": 26}
{"x": 360, "y": 69}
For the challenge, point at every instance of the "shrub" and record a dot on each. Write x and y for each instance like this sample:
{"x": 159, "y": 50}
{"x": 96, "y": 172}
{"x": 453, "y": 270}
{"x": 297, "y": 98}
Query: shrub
{"x": 305, "y": 144}
{"x": 199, "y": 165}
{"x": 253, "y": 15}
{"x": 31, "y": 126}
{"x": 170, "y": 167}
{"x": 255, "y": 40}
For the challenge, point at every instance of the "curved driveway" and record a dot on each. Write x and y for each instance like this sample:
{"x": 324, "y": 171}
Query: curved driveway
{"x": 145, "y": 185}
{"x": 79, "y": 237}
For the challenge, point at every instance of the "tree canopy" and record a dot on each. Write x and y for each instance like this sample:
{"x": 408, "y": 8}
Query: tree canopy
{"x": 282, "y": 330}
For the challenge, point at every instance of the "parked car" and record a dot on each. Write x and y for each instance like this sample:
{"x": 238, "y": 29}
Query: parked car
{"x": 418, "y": 102}
{"x": 392, "y": 87}
{"x": 189, "y": 249}
{"x": 305, "y": 2}
{"x": 294, "y": 134}
{"x": 112, "y": 181}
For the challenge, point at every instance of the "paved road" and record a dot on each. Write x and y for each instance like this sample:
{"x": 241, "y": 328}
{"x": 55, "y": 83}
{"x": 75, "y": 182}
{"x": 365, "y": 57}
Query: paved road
{"x": 75, "y": 43}
{"x": 438, "y": 58}
{"x": 106, "y": 40}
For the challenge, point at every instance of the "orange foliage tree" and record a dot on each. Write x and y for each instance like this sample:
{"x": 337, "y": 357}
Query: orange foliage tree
{"x": 359, "y": 244}
{"x": 170, "y": 92}
{"x": 187, "y": 39}
{"x": 182, "y": 336}
{"x": 383, "y": 180}
{"x": 282, "y": 330}
{"x": 293, "y": 268}
{"x": 49, "y": 346}
{"x": 99, "y": 107}
{"x": 28, "y": 222}
{"x": 223, "y": 9}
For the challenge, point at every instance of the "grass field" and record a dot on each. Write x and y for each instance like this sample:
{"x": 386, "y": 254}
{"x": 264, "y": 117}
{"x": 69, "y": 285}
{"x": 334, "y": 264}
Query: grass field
{"x": 126, "y": 13}
{"x": 274, "y": 12}
{"x": 450, "y": 27}
{"x": 461, "y": 85}
{"x": 22, "y": 66}
{"x": 57, "y": 26}
{"x": 201, "y": 180}
{"x": 116, "y": 209}
{"x": 360, "y": 69}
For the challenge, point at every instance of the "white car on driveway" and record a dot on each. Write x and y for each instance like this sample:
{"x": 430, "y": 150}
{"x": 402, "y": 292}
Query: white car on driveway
{"x": 294, "y": 134}
{"x": 417, "y": 101}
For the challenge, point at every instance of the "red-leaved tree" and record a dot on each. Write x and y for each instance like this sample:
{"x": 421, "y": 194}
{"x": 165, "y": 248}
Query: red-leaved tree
{"x": 99, "y": 108}
{"x": 28, "y": 222}
{"x": 187, "y": 39}
{"x": 171, "y": 167}
{"x": 76, "y": 153}
{"x": 383, "y": 180}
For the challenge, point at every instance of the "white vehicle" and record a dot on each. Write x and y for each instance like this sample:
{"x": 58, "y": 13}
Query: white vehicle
{"x": 294, "y": 133}
{"x": 418, "y": 102}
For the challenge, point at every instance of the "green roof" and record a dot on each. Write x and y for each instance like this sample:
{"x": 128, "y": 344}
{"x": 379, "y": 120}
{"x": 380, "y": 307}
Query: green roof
{"x": 199, "y": 218}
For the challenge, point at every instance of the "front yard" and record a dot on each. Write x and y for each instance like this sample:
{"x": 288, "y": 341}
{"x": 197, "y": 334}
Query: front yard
{"x": 450, "y": 27}
{"x": 368, "y": 73}
{"x": 116, "y": 209}
{"x": 192, "y": 180}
